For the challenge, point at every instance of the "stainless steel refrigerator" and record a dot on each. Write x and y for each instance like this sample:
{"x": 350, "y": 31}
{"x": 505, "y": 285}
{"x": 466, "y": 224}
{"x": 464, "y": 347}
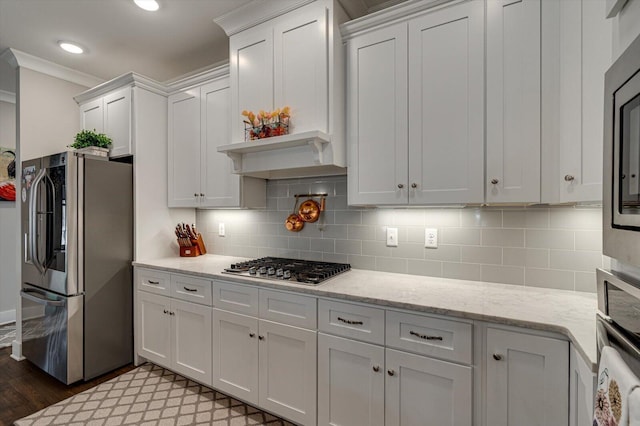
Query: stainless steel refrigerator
{"x": 76, "y": 295}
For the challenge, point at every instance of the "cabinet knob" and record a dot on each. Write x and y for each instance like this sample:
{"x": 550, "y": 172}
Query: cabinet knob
{"x": 376, "y": 368}
{"x": 568, "y": 178}
{"x": 400, "y": 186}
{"x": 391, "y": 372}
{"x": 166, "y": 312}
{"x": 494, "y": 181}
{"x": 252, "y": 334}
{"x": 195, "y": 194}
{"x": 497, "y": 357}
{"x": 414, "y": 185}
{"x": 260, "y": 337}
{"x": 201, "y": 194}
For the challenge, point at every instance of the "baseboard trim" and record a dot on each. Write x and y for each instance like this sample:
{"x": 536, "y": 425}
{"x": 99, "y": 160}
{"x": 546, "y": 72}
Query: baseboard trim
{"x": 7, "y": 316}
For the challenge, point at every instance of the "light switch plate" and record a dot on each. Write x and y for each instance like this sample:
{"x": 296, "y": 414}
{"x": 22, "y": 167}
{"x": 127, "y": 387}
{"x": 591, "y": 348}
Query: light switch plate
{"x": 221, "y": 232}
{"x": 431, "y": 237}
{"x": 392, "y": 237}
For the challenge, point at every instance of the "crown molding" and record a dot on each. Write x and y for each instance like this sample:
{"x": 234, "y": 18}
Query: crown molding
{"x": 16, "y": 59}
{"x": 7, "y": 97}
{"x": 389, "y": 16}
{"x": 198, "y": 77}
{"x": 129, "y": 79}
{"x": 256, "y": 12}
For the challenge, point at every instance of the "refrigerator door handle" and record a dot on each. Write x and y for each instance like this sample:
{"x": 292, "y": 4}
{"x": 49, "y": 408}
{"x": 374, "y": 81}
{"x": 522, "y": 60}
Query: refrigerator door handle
{"x": 49, "y": 232}
{"x": 33, "y": 222}
{"x": 38, "y": 297}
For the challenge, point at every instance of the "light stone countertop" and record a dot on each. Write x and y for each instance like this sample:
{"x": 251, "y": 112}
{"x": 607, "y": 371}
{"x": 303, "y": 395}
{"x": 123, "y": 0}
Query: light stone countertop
{"x": 572, "y": 314}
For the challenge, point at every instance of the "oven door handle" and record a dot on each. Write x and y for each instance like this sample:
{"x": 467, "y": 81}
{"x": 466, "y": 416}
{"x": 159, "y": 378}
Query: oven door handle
{"x": 39, "y": 298}
{"x": 612, "y": 329}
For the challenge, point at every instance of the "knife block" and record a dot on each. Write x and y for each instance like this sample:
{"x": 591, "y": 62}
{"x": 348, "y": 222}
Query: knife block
{"x": 192, "y": 251}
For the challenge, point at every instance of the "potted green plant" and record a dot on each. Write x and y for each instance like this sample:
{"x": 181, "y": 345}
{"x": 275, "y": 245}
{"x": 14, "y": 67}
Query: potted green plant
{"x": 92, "y": 142}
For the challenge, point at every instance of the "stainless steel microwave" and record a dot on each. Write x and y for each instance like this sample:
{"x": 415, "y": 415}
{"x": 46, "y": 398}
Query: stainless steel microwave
{"x": 621, "y": 172}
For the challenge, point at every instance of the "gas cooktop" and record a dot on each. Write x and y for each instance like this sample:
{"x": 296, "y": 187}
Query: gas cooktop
{"x": 279, "y": 268}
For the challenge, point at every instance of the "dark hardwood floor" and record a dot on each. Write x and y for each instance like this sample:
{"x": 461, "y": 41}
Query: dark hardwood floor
{"x": 25, "y": 389}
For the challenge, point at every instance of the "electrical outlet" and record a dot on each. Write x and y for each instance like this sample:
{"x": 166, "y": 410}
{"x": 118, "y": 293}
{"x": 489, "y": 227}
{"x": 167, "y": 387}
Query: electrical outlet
{"x": 392, "y": 237}
{"x": 431, "y": 237}
{"x": 221, "y": 229}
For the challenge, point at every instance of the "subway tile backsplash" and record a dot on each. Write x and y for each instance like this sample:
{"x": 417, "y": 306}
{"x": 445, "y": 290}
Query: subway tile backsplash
{"x": 550, "y": 247}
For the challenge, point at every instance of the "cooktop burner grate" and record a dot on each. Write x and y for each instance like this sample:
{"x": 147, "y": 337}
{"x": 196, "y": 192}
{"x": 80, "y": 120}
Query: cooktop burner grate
{"x": 279, "y": 268}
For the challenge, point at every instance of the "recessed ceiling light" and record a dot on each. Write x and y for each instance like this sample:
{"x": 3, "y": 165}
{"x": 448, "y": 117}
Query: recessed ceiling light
{"x": 71, "y": 47}
{"x": 149, "y": 5}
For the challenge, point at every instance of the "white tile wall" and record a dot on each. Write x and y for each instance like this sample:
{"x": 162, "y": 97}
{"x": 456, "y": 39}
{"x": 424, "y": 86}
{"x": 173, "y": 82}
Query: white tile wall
{"x": 557, "y": 247}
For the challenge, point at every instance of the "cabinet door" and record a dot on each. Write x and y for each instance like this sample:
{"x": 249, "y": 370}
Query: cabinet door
{"x": 582, "y": 384}
{"x": 584, "y": 58}
{"x": 527, "y": 379}
{"x": 184, "y": 149}
{"x": 117, "y": 121}
{"x": 377, "y": 117}
{"x": 154, "y": 328}
{"x": 301, "y": 66}
{"x": 288, "y": 371}
{"x": 192, "y": 340}
{"x": 513, "y": 101}
{"x": 91, "y": 116}
{"x": 251, "y": 73}
{"x": 221, "y": 188}
{"x": 446, "y": 106}
{"x": 426, "y": 391}
{"x": 350, "y": 382}
{"x": 235, "y": 355}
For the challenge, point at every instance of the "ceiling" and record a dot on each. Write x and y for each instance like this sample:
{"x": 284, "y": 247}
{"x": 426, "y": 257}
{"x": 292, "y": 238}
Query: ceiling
{"x": 119, "y": 37}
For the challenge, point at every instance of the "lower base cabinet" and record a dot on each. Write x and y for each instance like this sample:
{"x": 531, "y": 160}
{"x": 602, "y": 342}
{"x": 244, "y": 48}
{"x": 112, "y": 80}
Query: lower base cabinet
{"x": 175, "y": 334}
{"x": 265, "y": 363}
{"x": 358, "y": 387}
{"x": 583, "y": 388}
{"x": 527, "y": 380}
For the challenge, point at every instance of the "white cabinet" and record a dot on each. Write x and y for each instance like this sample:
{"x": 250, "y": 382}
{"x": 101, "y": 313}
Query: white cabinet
{"x": 421, "y": 390}
{"x": 526, "y": 379}
{"x": 351, "y": 379}
{"x": 199, "y": 176}
{"x": 175, "y": 334}
{"x": 513, "y": 101}
{"x": 415, "y": 122}
{"x": 270, "y": 364}
{"x": 360, "y": 383}
{"x": 173, "y": 322}
{"x": 283, "y": 62}
{"x": 577, "y": 41}
{"x": 582, "y": 382}
{"x": 111, "y": 114}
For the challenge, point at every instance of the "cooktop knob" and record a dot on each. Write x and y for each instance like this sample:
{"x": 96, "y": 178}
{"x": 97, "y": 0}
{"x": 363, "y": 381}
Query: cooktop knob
{"x": 279, "y": 272}
{"x": 271, "y": 271}
{"x": 286, "y": 275}
{"x": 253, "y": 270}
{"x": 262, "y": 270}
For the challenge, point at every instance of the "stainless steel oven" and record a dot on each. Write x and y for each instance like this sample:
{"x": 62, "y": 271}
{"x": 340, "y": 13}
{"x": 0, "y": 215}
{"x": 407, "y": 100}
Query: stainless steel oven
{"x": 621, "y": 172}
{"x": 618, "y": 316}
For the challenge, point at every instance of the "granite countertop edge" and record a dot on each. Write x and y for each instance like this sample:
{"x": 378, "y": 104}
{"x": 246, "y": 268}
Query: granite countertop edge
{"x": 484, "y": 306}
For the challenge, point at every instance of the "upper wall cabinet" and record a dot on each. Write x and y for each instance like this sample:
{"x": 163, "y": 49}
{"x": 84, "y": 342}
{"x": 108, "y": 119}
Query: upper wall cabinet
{"x": 416, "y": 106}
{"x": 577, "y": 41}
{"x": 199, "y": 176}
{"x": 288, "y": 59}
{"x": 513, "y": 101}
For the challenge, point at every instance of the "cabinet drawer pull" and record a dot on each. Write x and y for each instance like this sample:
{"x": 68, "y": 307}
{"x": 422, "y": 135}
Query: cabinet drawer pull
{"x": 391, "y": 372}
{"x": 346, "y": 321}
{"x": 153, "y": 282}
{"x": 424, "y": 336}
{"x": 376, "y": 368}
{"x": 497, "y": 357}
{"x": 190, "y": 289}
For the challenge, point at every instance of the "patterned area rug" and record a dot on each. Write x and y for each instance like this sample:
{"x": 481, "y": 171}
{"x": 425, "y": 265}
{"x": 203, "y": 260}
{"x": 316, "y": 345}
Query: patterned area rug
{"x": 150, "y": 395}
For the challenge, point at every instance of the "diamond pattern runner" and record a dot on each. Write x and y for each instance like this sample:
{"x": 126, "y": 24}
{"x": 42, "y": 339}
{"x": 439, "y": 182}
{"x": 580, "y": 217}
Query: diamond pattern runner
{"x": 150, "y": 395}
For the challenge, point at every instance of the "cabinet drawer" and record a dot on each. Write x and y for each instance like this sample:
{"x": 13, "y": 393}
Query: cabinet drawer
{"x": 235, "y": 298}
{"x": 451, "y": 340}
{"x": 287, "y": 308}
{"x": 354, "y": 321}
{"x": 191, "y": 289}
{"x": 153, "y": 281}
